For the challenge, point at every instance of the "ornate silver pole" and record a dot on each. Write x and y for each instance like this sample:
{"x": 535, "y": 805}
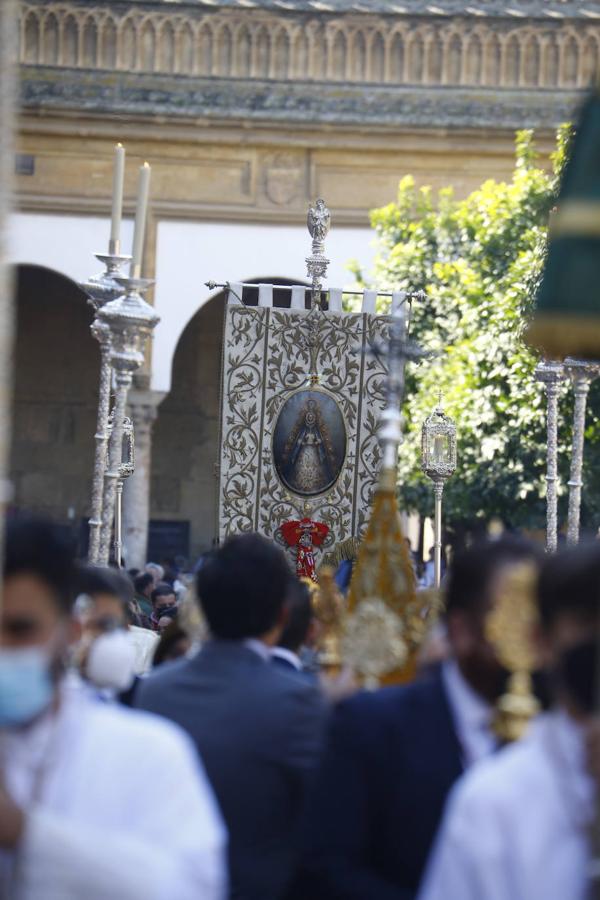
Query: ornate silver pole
{"x": 551, "y": 374}
{"x": 438, "y": 461}
{"x": 581, "y": 373}
{"x": 101, "y": 289}
{"x": 130, "y": 321}
{"x": 126, "y": 469}
{"x": 318, "y": 221}
{"x": 438, "y": 491}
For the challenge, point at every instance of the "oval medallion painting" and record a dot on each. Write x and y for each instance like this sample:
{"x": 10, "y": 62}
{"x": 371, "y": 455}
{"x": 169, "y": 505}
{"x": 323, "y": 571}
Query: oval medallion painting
{"x": 309, "y": 442}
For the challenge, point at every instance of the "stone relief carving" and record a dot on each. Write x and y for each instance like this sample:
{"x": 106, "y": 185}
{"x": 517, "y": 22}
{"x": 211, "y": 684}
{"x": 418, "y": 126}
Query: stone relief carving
{"x": 284, "y": 178}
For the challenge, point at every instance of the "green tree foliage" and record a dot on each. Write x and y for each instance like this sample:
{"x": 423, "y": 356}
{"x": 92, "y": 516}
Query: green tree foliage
{"x": 479, "y": 261}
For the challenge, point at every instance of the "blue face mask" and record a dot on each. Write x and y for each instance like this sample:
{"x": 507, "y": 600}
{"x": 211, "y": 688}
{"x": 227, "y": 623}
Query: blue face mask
{"x": 26, "y": 685}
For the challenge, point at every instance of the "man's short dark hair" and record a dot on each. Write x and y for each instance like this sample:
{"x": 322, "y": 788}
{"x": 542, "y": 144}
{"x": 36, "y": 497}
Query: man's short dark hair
{"x": 473, "y": 568}
{"x": 242, "y": 587}
{"x": 38, "y": 547}
{"x": 93, "y": 580}
{"x": 162, "y": 589}
{"x": 142, "y": 582}
{"x": 569, "y": 583}
{"x": 300, "y": 615}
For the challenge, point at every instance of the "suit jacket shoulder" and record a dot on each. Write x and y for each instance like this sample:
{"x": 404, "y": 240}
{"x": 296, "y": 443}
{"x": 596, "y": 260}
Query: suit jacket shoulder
{"x": 233, "y": 681}
{"x": 369, "y": 716}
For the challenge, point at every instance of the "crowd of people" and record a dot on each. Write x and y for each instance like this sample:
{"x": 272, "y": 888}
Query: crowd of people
{"x": 142, "y": 759}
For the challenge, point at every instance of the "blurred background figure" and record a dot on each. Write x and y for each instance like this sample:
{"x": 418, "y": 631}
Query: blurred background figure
{"x": 171, "y": 576}
{"x": 167, "y": 618}
{"x": 164, "y": 605}
{"x": 105, "y": 654}
{"x": 95, "y": 801}
{"x": 173, "y": 644}
{"x": 393, "y": 755}
{"x": 113, "y": 652}
{"x": 144, "y": 585}
{"x": 157, "y": 572}
{"x": 517, "y": 827}
{"x": 258, "y": 728}
{"x": 299, "y": 635}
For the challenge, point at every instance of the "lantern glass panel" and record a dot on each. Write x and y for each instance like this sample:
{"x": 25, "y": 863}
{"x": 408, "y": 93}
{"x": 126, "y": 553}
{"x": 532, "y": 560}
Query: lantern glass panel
{"x": 438, "y": 448}
{"x": 125, "y": 448}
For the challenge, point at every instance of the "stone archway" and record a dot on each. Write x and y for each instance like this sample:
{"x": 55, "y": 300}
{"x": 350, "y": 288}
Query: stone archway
{"x": 55, "y": 391}
{"x": 185, "y": 443}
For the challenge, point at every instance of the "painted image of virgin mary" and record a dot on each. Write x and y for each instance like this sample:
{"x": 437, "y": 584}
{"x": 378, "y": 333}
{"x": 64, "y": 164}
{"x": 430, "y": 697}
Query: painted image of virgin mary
{"x": 312, "y": 451}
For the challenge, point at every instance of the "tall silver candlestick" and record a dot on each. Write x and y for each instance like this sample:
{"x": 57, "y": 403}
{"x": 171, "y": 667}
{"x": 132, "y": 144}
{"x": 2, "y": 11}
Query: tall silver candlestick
{"x": 101, "y": 289}
{"x": 581, "y": 373}
{"x": 552, "y": 375}
{"x": 130, "y": 321}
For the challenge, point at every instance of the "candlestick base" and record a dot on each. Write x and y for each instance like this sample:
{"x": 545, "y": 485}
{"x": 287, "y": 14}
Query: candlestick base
{"x": 134, "y": 284}
{"x": 114, "y": 262}
{"x": 103, "y": 288}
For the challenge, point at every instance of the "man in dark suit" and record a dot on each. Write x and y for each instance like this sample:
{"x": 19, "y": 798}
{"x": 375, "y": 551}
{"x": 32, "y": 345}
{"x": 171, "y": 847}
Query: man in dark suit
{"x": 393, "y": 755}
{"x": 258, "y": 729}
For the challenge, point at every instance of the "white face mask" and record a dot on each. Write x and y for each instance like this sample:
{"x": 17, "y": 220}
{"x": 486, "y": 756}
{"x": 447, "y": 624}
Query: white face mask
{"x": 111, "y": 661}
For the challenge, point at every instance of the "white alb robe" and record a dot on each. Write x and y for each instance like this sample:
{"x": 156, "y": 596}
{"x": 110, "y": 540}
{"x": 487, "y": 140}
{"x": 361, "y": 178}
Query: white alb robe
{"x": 515, "y": 827}
{"x": 117, "y": 806}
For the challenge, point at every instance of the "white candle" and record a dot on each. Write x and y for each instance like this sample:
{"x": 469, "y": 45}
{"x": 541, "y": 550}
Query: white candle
{"x": 117, "y": 198}
{"x": 140, "y": 221}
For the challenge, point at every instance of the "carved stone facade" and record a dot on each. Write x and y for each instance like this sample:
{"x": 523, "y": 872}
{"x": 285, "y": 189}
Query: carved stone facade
{"x": 414, "y": 48}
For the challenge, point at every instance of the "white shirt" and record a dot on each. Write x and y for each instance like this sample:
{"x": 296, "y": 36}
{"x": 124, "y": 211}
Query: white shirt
{"x": 117, "y": 806}
{"x": 471, "y": 714}
{"x": 258, "y": 647}
{"x": 515, "y": 826}
{"x": 144, "y": 642}
{"x": 289, "y": 656}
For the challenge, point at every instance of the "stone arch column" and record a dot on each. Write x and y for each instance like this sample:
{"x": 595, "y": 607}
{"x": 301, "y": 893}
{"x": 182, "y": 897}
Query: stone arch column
{"x": 143, "y": 409}
{"x": 387, "y": 57}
